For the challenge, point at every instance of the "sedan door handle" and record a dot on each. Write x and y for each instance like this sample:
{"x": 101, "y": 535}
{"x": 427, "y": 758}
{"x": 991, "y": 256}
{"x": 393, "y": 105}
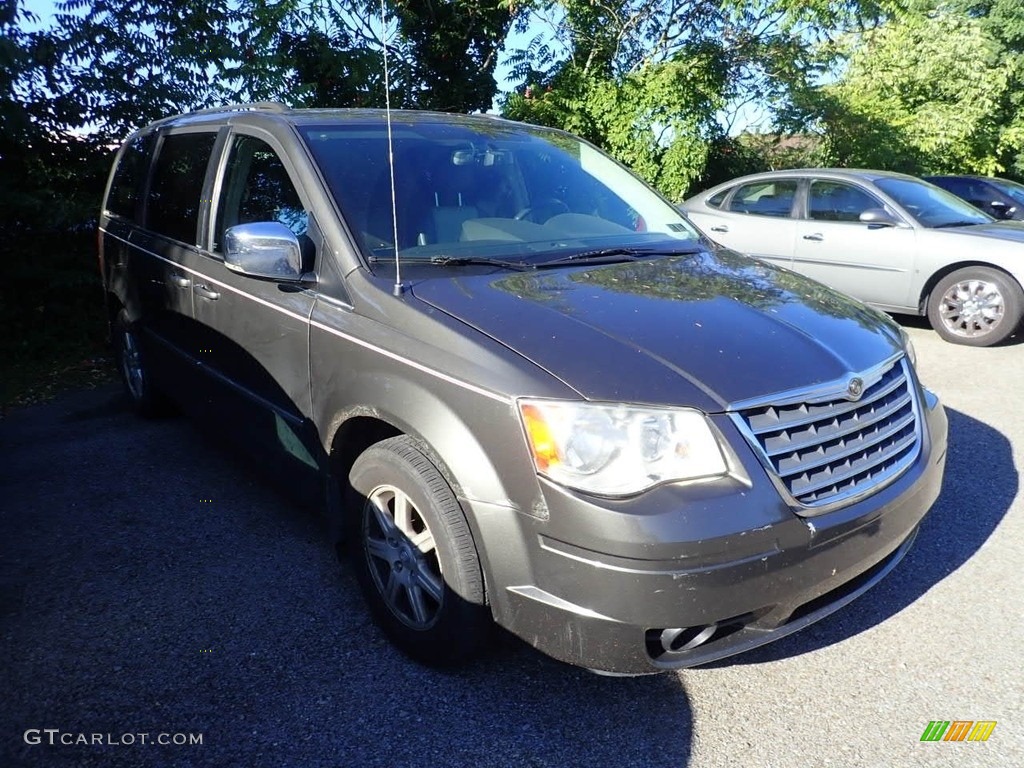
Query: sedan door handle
{"x": 816, "y": 237}
{"x": 205, "y": 292}
{"x": 720, "y": 228}
{"x": 181, "y": 281}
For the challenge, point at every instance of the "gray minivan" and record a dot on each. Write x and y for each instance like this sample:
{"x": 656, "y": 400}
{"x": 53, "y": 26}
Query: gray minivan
{"x": 527, "y": 390}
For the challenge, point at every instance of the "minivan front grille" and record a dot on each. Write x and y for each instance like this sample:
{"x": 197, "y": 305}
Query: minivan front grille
{"x": 828, "y": 448}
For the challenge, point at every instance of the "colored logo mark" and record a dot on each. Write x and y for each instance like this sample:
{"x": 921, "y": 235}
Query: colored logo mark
{"x": 958, "y": 730}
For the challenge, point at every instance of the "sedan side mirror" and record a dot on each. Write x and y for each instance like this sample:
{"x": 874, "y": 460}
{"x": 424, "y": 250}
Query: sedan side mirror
{"x": 1001, "y": 210}
{"x": 878, "y": 217}
{"x": 266, "y": 249}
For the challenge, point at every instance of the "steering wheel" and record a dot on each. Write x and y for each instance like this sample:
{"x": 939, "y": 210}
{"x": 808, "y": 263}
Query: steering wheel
{"x": 551, "y": 206}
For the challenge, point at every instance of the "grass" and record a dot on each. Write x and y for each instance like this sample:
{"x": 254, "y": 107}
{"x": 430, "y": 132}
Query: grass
{"x": 54, "y": 335}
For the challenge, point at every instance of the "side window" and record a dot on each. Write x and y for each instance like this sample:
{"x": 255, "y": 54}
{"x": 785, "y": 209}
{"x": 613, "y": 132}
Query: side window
{"x": 174, "y": 194}
{"x": 765, "y": 198}
{"x": 834, "y": 201}
{"x": 129, "y": 176}
{"x": 257, "y": 188}
{"x": 716, "y": 200}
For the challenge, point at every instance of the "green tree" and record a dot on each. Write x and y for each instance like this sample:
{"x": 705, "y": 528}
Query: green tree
{"x": 112, "y": 65}
{"x": 441, "y": 55}
{"x": 653, "y": 82}
{"x": 453, "y": 50}
{"x": 1003, "y": 20}
{"x": 925, "y": 93}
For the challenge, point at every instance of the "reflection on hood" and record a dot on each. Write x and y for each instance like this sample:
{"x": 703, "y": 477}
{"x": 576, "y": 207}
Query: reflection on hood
{"x": 705, "y": 329}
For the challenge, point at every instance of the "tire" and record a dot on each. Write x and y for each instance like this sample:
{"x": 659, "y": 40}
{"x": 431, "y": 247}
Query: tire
{"x": 145, "y": 398}
{"x": 414, "y": 555}
{"x": 975, "y": 306}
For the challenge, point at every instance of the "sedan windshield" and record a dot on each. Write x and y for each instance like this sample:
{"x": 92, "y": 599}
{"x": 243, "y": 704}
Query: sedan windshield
{"x": 471, "y": 190}
{"x": 930, "y": 206}
{"x": 1010, "y": 188}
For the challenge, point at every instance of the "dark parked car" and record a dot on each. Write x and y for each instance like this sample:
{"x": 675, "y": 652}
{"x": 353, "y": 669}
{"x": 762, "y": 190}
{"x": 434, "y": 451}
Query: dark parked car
{"x": 999, "y": 198}
{"x": 894, "y": 241}
{"x": 528, "y": 389}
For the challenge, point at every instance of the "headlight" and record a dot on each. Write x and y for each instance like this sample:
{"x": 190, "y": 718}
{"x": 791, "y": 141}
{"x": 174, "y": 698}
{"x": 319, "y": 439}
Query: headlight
{"x": 619, "y": 450}
{"x": 908, "y": 347}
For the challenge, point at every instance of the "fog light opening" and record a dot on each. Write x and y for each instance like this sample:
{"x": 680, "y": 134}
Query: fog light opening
{"x": 686, "y": 638}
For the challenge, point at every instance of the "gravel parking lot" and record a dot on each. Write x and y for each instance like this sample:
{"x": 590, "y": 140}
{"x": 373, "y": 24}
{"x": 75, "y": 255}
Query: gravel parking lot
{"x": 153, "y": 590}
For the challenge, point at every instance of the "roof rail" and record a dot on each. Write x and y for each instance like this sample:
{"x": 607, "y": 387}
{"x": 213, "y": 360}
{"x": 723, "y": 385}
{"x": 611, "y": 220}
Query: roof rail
{"x": 260, "y": 106}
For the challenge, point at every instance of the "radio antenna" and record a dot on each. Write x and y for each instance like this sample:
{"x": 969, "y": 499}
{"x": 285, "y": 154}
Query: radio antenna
{"x": 397, "y": 290}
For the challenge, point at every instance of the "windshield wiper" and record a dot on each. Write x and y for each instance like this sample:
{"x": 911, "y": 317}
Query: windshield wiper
{"x": 622, "y": 253}
{"x": 456, "y": 261}
{"x": 948, "y": 224}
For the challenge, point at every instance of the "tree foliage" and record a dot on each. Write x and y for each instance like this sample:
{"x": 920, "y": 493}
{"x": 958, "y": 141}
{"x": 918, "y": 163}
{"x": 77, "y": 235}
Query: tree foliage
{"x": 41, "y": 161}
{"x": 74, "y": 89}
{"x": 663, "y": 85}
{"x": 654, "y": 82}
{"x": 112, "y": 65}
{"x": 930, "y": 92}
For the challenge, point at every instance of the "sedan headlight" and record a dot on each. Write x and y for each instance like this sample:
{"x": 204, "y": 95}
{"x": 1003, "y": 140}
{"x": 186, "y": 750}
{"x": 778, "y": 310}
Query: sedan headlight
{"x": 619, "y": 450}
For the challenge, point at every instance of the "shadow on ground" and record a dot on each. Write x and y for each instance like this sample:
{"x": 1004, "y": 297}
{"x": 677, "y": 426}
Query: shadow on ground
{"x": 979, "y": 487}
{"x": 150, "y": 583}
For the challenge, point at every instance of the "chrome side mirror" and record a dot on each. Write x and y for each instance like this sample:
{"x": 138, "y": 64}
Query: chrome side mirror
{"x": 266, "y": 249}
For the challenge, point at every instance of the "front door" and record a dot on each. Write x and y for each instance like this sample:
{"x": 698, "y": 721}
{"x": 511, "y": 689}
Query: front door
{"x": 867, "y": 261}
{"x": 254, "y": 342}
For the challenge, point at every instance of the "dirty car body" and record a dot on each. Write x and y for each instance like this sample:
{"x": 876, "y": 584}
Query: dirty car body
{"x": 637, "y": 453}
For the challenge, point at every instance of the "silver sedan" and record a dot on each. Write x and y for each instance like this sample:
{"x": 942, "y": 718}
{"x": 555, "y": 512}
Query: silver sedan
{"x": 894, "y": 241}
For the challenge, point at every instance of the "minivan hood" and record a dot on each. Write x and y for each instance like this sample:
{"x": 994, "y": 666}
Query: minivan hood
{"x": 703, "y": 330}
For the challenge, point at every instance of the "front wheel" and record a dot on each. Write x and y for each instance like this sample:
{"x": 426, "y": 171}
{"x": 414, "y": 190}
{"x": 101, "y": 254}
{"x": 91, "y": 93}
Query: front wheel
{"x": 415, "y": 559}
{"x": 976, "y": 306}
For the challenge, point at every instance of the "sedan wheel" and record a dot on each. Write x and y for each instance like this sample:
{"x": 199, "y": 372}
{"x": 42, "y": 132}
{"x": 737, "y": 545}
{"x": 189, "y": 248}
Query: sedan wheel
{"x": 976, "y": 306}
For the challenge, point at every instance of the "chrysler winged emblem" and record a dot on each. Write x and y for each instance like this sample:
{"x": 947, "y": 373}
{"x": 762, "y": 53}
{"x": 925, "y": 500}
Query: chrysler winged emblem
{"x": 855, "y": 388}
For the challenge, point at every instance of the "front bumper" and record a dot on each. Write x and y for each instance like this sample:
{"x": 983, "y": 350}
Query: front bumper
{"x": 638, "y": 592}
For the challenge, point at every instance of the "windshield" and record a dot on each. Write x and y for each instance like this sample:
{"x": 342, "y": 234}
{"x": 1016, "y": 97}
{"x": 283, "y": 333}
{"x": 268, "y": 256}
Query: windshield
{"x": 1010, "y": 188}
{"x": 487, "y": 189}
{"x": 929, "y": 205}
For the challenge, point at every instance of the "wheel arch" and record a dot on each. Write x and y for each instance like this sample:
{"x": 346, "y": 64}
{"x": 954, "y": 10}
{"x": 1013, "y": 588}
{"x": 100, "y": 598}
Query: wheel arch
{"x": 448, "y": 440}
{"x": 114, "y": 305}
{"x": 359, "y": 427}
{"x": 948, "y": 269}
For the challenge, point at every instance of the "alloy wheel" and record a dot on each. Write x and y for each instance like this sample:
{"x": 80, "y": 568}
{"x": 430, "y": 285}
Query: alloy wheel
{"x": 402, "y": 557}
{"x": 131, "y": 365}
{"x": 972, "y": 308}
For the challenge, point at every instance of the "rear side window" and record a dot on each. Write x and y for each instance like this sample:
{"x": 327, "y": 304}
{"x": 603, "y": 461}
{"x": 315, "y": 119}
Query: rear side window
{"x": 716, "y": 200}
{"x": 172, "y": 208}
{"x": 765, "y": 198}
{"x": 129, "y": 176}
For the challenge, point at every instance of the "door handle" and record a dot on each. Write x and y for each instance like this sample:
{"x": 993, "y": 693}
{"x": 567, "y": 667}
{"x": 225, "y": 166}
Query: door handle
{"x": 181, "y": 281}
{"x": 816, "y": 237}
{"x": 205, "y": 292}
{"x": 720, "y": 228}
